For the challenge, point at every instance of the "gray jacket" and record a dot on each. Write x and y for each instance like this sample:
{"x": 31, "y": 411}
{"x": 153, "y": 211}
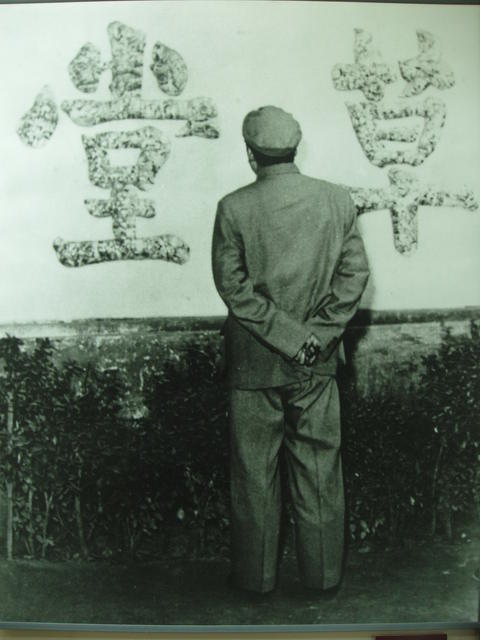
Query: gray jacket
{"x": 287, "y": 261}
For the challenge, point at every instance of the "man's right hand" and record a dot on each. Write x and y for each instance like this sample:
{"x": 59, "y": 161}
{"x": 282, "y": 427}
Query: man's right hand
{"x": 309, "y": 352}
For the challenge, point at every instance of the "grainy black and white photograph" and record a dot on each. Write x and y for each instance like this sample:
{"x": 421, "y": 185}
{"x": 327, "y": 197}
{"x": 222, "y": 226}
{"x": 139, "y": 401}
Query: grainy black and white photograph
{"x": 240, "y": 319}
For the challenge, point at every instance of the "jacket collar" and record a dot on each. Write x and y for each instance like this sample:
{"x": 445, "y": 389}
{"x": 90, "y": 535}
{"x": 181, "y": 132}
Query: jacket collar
{"x": 276, "y": 170}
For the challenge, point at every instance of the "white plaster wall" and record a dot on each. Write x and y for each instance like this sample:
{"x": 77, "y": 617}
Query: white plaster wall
{"x": 243, "y": 55}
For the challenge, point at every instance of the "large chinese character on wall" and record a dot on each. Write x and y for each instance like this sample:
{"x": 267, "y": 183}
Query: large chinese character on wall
{"x": 124, "y": 183}
{"x": 393, "y": 135}
{"x": 374, "y": 123}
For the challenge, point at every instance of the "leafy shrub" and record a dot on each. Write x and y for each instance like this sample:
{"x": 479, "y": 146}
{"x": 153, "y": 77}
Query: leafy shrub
{"x": 410, "y": 464}
{"x": 385, "y": 475}
{"x": 186, "y": 401}
{"x": 451, "y": 406}
{"x": 94, "y": 466}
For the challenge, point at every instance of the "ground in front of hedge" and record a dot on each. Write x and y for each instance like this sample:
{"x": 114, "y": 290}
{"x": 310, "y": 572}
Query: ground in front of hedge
{"x": 436, "y": 582}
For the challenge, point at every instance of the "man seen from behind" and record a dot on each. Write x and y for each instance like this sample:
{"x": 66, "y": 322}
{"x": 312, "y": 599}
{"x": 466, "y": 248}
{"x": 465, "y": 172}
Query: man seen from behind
{"x": 290, "y": 265}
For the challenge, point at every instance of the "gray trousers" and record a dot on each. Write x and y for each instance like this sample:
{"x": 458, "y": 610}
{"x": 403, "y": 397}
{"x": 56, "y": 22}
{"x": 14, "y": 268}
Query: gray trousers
{"x": 305, "y": 418}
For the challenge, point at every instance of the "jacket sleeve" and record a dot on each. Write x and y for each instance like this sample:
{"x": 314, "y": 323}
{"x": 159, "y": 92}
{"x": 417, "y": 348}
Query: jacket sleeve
{"x": 257, "y": 313}
{"x": 348, "y": 283}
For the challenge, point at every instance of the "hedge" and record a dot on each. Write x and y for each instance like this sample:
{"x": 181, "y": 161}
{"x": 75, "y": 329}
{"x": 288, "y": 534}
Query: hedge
{"x": 95, "y": 467}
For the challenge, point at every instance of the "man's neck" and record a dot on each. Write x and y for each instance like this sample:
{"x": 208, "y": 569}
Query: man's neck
{"x": 276, "y": 169}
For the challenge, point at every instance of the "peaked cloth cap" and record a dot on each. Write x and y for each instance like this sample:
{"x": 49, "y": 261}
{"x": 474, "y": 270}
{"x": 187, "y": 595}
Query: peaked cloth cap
{"x": 271, "y": 131}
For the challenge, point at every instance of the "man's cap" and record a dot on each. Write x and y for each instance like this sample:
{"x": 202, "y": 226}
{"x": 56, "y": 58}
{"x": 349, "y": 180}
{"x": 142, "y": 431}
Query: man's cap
{"x": 271, "y": 131}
